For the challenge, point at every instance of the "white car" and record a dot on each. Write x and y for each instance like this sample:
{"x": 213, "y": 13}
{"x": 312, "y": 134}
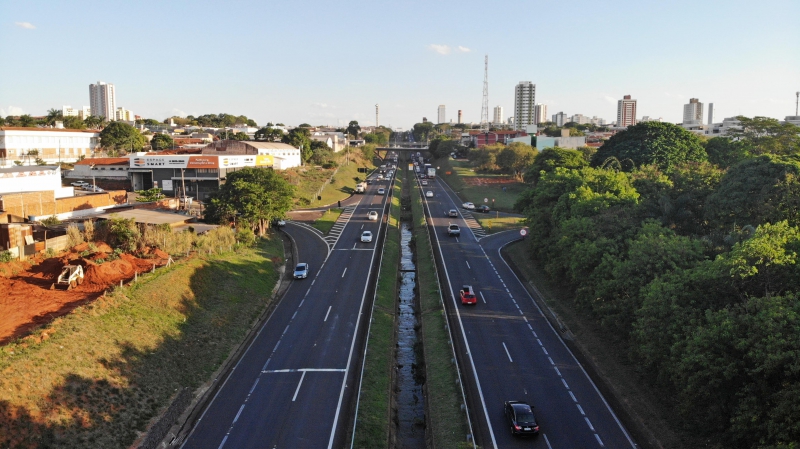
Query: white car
{"x": 381, "y": 191}
{"x": 424, "y": 182}
{"x": 92, "y": 188}
{"x": 372, "y": 215}
{"x": 468, "y": 205}
{"x": 79, "y": 183}
{"x": 429, "y": 194}
{"x": 366, "y": 236}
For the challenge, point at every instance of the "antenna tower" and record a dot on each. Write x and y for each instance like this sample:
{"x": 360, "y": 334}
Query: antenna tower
{"x": 377, "y": 116}
{"x": 485, "y": 104}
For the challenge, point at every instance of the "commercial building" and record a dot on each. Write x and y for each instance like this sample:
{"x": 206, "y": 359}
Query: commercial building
{"x": 626, "y": 112}
{"x": 540, "y": 114}
{"x": 52, "y": 145}
{"x": 441, "y": 114}
{"x": 693, "y": 112}
{"x": 498, "y": 115}
{"x": 524, "y": 102}
{"x": 103, "y": 100}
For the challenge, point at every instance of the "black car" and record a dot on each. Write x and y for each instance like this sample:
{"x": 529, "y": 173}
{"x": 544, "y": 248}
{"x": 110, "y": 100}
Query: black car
{"x": 483, "y": 208}
{"x": 521, "y": 418}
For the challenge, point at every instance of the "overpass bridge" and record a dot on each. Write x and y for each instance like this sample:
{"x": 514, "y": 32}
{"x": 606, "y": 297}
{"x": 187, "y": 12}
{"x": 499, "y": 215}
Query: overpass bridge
{"x": 413, "y": 146}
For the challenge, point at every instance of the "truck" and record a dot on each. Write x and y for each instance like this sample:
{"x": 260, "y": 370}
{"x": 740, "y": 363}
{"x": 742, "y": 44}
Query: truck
{"x": 361, "y": 187}
{"x": 431, "y": 172}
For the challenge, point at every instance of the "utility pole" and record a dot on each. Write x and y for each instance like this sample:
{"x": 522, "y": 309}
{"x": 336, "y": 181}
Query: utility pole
{"x": 796, "y": 103}
{"x": 485, "y": 104}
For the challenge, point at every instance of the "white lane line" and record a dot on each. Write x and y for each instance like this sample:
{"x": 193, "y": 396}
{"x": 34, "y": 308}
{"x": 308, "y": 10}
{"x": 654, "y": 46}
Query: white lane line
{"x": 534, "y": 335}
{"x": 298, "y": 386}
{"x": 573, "y": 397}
{"x": 223, "y": 442}
{"x": 354, "y": 245}
{"x": 580, "y": 409}
{"x": 315, "y": 280}
{"x": 557, "y": 371}
{"x": 484, "y": 299}
{"x": 326, "y": 315}
{"x": 565, "y": 383}
{"x": 509, "y": 355}
{"x": 237, "y": 415}
{"x": 301, "y": 302}
{"x": 316, "y": 370}
{"x": 457, "y": 240}
{"x": 545, "y": 351}
{"x": 345, "y": 271}
{"x": 362, "y": 226}
{"x": 295, "y": 314}
{"x": 599, "y": 441}
{"x": 540, "y": 342}
{"x": 284, "y": 331}
{"x": 529, "y": 324}
{"x": 468, "y": 265}
{"x": 551, "y": 360}
{"x": 589, "y": 423}
{"x": 547, "y": 441}
{"x": 276, "y": 346}
{"x": 520, "y": 311}
{"x": 254, "y": 385}
{"x": 265, "y": 365}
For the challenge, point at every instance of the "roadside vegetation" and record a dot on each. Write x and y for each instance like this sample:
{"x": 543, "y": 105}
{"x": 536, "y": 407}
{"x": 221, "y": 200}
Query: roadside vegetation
{"x": 333, "y": 182}
{"x": 327, "y": 220}
{"x": 374, "y": 410}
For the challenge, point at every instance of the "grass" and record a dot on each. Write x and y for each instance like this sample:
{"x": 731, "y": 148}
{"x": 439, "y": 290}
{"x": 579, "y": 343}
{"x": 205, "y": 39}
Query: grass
{"x": 447, "y": 423}
{"x": 96, "y": 377}
{"x": 653, "y": 420}
{"x": 458, "y": 179}
{"x": 372, "y": 428}
{"x": 327, "y": 220}
{"x": 308, "y": 180}
{"x": 492, "y": 225}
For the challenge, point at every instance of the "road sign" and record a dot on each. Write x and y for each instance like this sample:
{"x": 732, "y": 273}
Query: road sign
{"x": 523, "y": 232}
{"x": 486, "y": 200}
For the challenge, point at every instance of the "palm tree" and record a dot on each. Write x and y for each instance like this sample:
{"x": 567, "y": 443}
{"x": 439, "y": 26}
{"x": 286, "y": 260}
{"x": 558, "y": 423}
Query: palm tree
{"x": 93, "y": 121}
{"x": 52, "y": 116}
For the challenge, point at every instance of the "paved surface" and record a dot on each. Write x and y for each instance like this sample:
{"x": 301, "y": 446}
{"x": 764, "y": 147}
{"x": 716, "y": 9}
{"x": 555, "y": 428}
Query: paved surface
{"x": 508, "y": 349}
{"x": 293, "y": 386}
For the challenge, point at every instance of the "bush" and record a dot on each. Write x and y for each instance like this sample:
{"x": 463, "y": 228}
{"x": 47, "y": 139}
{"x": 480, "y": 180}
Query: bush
{"x": 51, "y": 221}
{"x": 245, "y": 236}
{"x": 50, "y": 253}
{"x": 6, "y": 256}
{"x": 330, "y": 164}
{"x": 88, "y": 230}
{"x": 74, "y": 236}
{"x": 216, "y": 240}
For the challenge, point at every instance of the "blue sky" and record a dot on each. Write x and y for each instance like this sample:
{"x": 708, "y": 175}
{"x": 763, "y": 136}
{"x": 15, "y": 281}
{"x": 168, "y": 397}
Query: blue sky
{"x": 326, "y": 62}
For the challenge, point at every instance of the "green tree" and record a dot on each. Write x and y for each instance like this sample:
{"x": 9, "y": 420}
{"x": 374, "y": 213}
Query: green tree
{"x": 268, "y": 134}
{"x": 768, "y": 135}
{"x": 368, "y": 151}
{"x": 376, "y": 138}
{"x": 515, "y": 158}
{"x": 94, "y": 122}
{"x": 422, "y": 131}
{"x": 162, "y": 142}
{"x": 73, "y": 122}
{"x": 240, "y": 136}
{"x": 726, "y": 152}
{"x": 256, "y": 195}
{"x": 150, "y": 195}
{"x": 658, "y": 143}
{"x": 52, "y": 116}
{"x": 26, "y": 121}
{"x": 353, "y": 129}
{"x": 300, "y": 138}
{"x": 549, "y": 159}
{"x": 118, "y": 136}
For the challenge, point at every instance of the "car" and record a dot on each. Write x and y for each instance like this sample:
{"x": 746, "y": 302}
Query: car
{"x": 379, "y": 177}
{"x": 366, "y": 236}
{"x": 422, "y": 176}
{"x": 521, "y": 419}
{"x": 424, "y": 182}
{"x": 468, "y": 295}
{"x": 452, "y": 213}
{"x": 79, "y": 183}
{"x": 381, "y": 191}
{"x": 369, "y": 181}
{"x": 429, "y": 194}
{"x": 483, "y": 209}
{"x": 372, "y": 215}
{"x": 301, "y": 271}
{"x": 453, "y": 229}
{"x": 92, "y": 188}
{"x": 468, "y": 206}
{"x": 279, "y": 222}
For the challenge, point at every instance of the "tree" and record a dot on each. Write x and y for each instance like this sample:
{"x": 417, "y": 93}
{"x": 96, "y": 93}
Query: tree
{"x": 150, "y": 195}
{"x": 353, "y": 129}
{"x": 304, "y": 125}
{"x": 551, "y": 158}
{"x": 74, "y": 122}
{"x": 515, "y": 158}
{"x": 422, "y": 131}
{"x": 658, "y": 143}
{"x": 27, "y": 121}
{"x": 255, "y": 195}
{"x": 268, "y": 134}
{"x": 300, "y": 138}
{"x": 368, "y": 151}
{"x": 239, "y": 136}
{"x": 118, "y": 136}
{"x": 726, "y": 152}
{"x": 321, "y": 152}
{"x": 53, "y": 115}
{"x": 162, "y": 142}
{"x": 94, "y": 122}
{"x": 767, "y": 135}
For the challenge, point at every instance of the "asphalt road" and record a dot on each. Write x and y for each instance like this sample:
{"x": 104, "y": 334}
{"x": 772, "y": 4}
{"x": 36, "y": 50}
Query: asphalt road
{"x": 509, "y": 351}
{"x": 292, "y": 386}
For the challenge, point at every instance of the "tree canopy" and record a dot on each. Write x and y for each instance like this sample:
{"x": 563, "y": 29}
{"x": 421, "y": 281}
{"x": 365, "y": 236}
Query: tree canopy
{"x": 662, "y": 144}
{"x": 300, "y": 138}
{"x": 162, "y": 142}
{"x": 353, "y": 129}
{"x": 119, "y": 136}
{"x": 551, "y": 158}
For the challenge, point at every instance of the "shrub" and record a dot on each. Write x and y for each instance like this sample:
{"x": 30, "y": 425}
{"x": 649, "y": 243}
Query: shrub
{"x": 50, "y": 253}
{"x": 88, "y": 230}
{"x": 74, "y": 236}
{"x": 245, "y": 236}
{"x": 51, "y": 221}
{"x": 6, "y": 256}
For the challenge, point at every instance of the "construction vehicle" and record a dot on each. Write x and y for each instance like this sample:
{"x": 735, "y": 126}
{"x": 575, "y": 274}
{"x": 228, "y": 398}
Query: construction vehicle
{"x": 71, "y": 275}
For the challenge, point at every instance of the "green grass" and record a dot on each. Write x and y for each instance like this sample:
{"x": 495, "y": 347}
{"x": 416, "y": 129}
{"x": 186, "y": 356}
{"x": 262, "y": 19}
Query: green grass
{"x": 492, "y": 225}
{"x": 327, "y": 220}
{"x": 309, "y": 179}
{"x": 97, "y": 376}
{"x": 446, "y": 421}
{"x": 458, "y": 179}
{"x": 372, "y": 428}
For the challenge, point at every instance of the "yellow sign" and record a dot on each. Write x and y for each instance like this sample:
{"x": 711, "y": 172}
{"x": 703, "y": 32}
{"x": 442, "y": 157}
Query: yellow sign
{"x": 264, "y": 160}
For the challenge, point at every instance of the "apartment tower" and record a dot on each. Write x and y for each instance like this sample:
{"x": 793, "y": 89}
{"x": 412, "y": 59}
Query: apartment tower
{"x": 693, "y": 112}
{"x": 498, "y": 115}
{"x": 524, "y": 103}
{"x": 103, "y": 100}
{"x": 540, "y": 114}
{"x": 626, "y": 112}
{"x": 441, "y": 114}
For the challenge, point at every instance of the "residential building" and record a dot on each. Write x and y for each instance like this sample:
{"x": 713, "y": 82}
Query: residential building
{"x": 560, "y": 119}
{"x": 540, "y": 114}
{"x": 52, "y": 145}
{"x": 710, "y": 114}
{"x": 124, "y": 115}
{"x": 524, "y": 103}
{"x": 68, "y": 111}
{"x": 693, "y": 112}
{"x": 647, "y": 118}
{"x": 626, "y": 112}
{"x": 571, "y": 142}
{"x": 480, "y": 139}
{"x": 580, "y": 119}
{"x": 103, "y": 100}
{"x": 597, "y": 121}
{"x": 441, "y": 113}
{"x": 498, "y": 115}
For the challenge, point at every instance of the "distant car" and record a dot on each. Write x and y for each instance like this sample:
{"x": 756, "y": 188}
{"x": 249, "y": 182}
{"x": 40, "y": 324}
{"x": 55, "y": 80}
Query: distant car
{"x": 468, "y": 206}
{"x": 453, "y": 229}
{"x": 79, "y": 183}
{"x": 92, "y": 188}
{"x": 424, "y": 182}
{"x": 429, "y": 194}
{"x": 301, "y": 271}
{"x": 280, "y": 222}
{"x": 521, "y": 419}
{"x": 468, "y": 295}
{"x": 381, "y": 191}
{"x": 379, "y": 177}
{"x": 452, "y": 213}
{"x": 372, "y": 215}
{"x": 369, "y": 181}
{"x": 482, "y": 208}
{"x": 366, "y": 236}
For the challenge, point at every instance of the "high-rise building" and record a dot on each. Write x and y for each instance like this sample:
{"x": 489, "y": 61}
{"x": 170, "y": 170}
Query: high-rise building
{"x": 626, "y": 112}
{"x": 498, "y": 115}
{"x": 711, "y": 113}
{"x": 580, "y": 119}
{"x": 103, "y": 100}
{"x": 540, "y": 113}
{"x": 459, "y": 116}
{"x": 124, "y": 115}
{"x": 441, "y": 114}
{"x": 560, "y": 118}
{"x": 693, "y": 112}
{"x": 524, "y": 103}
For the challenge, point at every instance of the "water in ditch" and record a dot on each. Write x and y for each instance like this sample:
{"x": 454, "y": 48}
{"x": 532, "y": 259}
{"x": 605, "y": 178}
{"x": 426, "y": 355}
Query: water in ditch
{"x": 408, "y": 388}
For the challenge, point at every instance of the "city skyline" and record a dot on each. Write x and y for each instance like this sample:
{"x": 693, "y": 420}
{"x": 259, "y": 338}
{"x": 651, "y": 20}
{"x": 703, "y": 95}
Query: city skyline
{"x": 293, "y": 86}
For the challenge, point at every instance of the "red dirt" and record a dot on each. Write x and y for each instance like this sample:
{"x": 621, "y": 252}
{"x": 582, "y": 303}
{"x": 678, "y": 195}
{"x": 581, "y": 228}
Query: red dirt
{"x": 27, "y": 302}
{"x": 478, "y": 181}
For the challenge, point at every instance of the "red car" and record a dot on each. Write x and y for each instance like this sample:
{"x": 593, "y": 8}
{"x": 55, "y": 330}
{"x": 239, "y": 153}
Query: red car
{"x": 468, "y": 295}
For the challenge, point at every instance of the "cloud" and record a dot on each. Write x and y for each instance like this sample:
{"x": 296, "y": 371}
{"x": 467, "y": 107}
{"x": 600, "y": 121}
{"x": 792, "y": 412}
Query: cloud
{"x": 26, "y": 25}
{"x": 441, "y": 49}
{"x": 12, "y": 110}
{"x": 610, "y": 99}
{"x": 463, "y": 49}
{"x": 320, "y": 105}
{"x": 176, "y": 113}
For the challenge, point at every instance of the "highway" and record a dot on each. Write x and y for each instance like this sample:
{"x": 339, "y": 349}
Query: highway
{"x": 508, "y": 349}
{"x": 293, "y": 385}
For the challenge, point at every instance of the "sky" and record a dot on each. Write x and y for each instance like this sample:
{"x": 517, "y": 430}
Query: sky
{"x": 326, "y": 63}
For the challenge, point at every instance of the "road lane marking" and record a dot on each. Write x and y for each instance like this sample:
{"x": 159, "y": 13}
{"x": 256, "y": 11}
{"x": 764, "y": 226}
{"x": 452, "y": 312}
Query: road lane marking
{"x": 237, "y": 415}
{"x": 557, "y": 371}
{"x": 545, "y": 351}
{"x": 589, "y": 423}
{"x": 573, "y": 396}
{"x": 254, "y": 385}
{"x": 540, "y": 342}
{"x": 345, "y": 271}
{"x": 551, "y": 360}
{"x": 223, "y": 442}
{"x": 276, "y": 346}
{"x": 565, "y": 383}
{"x": 298, "y": 386}
{"x": 315, "y": 370}
{"x": 580, "y": 409}
{"x": 547, "y": 441}
{"x": 599, "y": 441}
{"x": 362, "y": 226}
{"x": 287, "y": 328}
{"x": 295, "y": 314}
{"x": 484, "y": 299}
{"x": 326, "y": 315}
{"x": 301, "y": 302}
{"x": 509, "y": 355}
{"x": 468, "y": 265}
{"x": 529, "y": 324}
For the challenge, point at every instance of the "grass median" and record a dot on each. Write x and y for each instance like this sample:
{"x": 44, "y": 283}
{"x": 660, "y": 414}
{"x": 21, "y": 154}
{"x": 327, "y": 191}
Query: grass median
{"x": 374, "y": 410}
{"x": 327, "y": 220}
{"x": 97, "y": 376}
{"x": 501, "y": 191}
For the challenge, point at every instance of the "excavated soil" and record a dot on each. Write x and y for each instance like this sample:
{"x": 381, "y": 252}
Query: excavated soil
{"x": 478, "y": 181}
{"x": 26, "y": 300}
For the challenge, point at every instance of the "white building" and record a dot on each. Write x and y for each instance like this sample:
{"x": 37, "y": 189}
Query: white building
{"x": 693, "y": 112}
{"x": 560, "y": 119}
{"x": 524, "y": 104}
{"x": 580, "y": 119}
{"x": 68, "y": 111}
{"x": 52, "y": 145}
{"x": 441, "y": 114}
{"x": 33, "y": 179}
{"x": 597, "y": 121}
{"x": 626, "y": 112}
{"x": 540, "y": 113}
{"x": 124, "y": 115}
{"x": 103, "y": 100}
{"x": 498, "y": 115}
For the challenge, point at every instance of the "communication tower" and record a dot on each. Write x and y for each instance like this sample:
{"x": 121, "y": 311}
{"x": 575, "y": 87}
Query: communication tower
{"x": 485, "y": 104}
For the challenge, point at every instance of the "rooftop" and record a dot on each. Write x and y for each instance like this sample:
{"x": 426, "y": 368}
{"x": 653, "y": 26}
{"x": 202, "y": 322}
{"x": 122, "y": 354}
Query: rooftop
{"x": 58, "y": 130}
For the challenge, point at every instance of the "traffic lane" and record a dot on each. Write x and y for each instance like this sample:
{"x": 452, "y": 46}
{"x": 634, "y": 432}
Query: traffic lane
{"x": 582, "y": 394}
{"x": 310, "y": 246}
